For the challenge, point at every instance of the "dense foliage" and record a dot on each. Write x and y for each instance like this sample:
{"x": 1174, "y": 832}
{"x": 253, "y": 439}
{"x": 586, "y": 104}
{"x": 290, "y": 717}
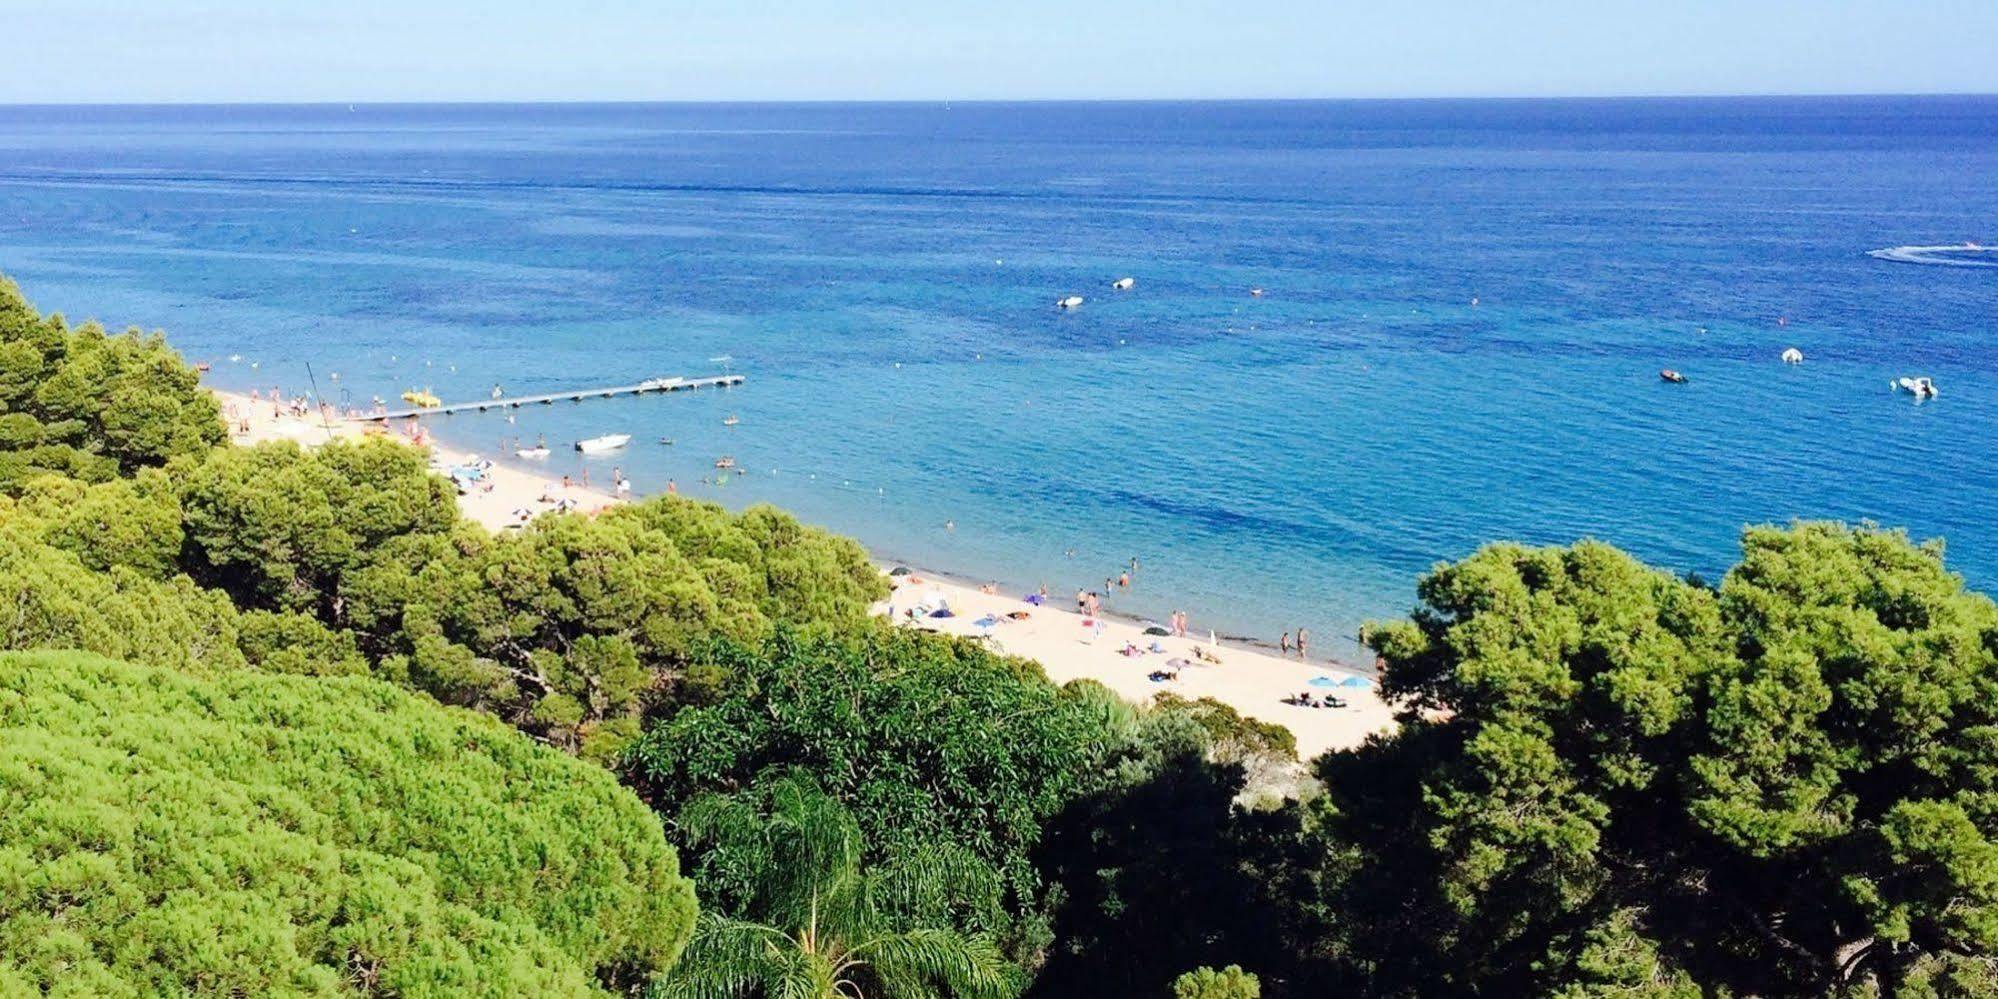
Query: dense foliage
{"x": 89, "y": 405}
{"x": 1611, "y": 778}
{"x": 1230, "y": 982}
{"x": 820, "y": 922}
{"x": 256, "y": 834}
{"x": 927, "y": 740}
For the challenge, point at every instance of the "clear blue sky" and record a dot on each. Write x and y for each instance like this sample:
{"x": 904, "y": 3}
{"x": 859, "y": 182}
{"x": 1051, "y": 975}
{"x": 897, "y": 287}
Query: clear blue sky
{"x": 372, "y": 50}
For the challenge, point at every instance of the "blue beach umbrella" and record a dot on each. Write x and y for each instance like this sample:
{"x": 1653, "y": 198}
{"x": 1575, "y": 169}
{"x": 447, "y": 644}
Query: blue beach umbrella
{"x": 1324, "y": 681}
{"x": 1356, "y": 681}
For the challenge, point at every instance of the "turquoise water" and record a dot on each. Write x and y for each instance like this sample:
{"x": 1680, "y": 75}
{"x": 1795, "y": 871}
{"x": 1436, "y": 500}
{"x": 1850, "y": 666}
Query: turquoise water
{"x": 886, "y": 277}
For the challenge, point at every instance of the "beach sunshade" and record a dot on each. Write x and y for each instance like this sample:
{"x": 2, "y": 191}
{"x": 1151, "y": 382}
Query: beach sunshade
{"x": 900, "y": 570}
{"x": 987, "y": 621}
{"x": 1324, "y": 681}
{"x": 1033, "y": 598}
{"x": 1156, "y": 630}
{"x": 1356, "y": 681}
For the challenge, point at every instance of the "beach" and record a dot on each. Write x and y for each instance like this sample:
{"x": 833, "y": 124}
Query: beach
{"x": 1067, "y": 644}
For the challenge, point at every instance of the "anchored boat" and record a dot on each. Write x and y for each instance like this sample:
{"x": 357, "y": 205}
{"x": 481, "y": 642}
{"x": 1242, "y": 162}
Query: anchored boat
{"x": 608, "y": 442}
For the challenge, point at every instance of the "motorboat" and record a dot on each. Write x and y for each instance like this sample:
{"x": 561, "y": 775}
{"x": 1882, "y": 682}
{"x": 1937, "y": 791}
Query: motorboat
{"x": 731, "y": 420}
{"x": 608, "y": 442}
{"x": 1255, "y": 293}
{"x": 1920, "y": 387}
{"x": 424, "y": 399}
{"x": 531, "y": 452}
{"x": 1792, "y": 355}
{"x": 1124, "y": 283}
{"x": 1070, "y": 302}
{"x": 668, "y": 441}
{"x": 1672, "y": 376}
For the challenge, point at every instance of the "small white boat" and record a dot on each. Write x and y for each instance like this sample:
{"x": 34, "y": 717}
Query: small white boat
{"x": 1070, "y": 302}
{"x": 531, "y": 452}
{"x": 1124, "y": 283}
{"x": 731, "y": 420}
{"x": 1920, "y": 387}
{"x": 1793, "y": 356}
{"x": 1255, "y": 293}
{"x": 608, "y": 442}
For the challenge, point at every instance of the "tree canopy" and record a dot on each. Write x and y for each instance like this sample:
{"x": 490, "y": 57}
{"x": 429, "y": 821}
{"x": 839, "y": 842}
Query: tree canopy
{"x": 926, "y": 740}
{"x": 262, "y": 834}
{"x": 1607, "y": 776}
{"x": 89, "y": 405}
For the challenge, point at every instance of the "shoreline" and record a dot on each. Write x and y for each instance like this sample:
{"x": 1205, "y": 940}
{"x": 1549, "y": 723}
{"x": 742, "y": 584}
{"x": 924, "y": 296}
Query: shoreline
{"x": 1112, "y": 648}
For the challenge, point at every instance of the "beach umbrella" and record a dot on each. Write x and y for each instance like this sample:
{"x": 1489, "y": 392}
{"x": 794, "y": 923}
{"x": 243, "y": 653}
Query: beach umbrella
{"x": 1178, "y": 664}
{"x": 1356, "y": 681}
{"x": 1324, "y": 681}
{"x": 900, "y": 570}
{"x": 1156, "y": 630}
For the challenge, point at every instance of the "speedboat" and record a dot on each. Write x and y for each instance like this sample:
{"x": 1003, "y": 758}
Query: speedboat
{"x": 731, "y": 420}
{"x": 531, "y": 452}
{"x": 1070, "y": 302}
{"x": 1919, "y": 386}
{"x": 1255, "y": 293}
{"x": 1672, "y": 376}
{"x": 1124, "y": 283}
{"x": 668, "y": 441}
{"x": 1792, "y": 355}
{"x": 608, "y": 442}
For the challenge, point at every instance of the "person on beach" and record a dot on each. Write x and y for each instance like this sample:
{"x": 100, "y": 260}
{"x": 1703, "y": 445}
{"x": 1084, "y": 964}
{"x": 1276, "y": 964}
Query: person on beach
{"x": 1081, "y": 601}
{"x": 1302, "y": 638}
{"x": 1124, "y": 581}
{"x": 1283, "y": 644}
{"x": 566, "y": 484}
{"x": 672, "y": 488}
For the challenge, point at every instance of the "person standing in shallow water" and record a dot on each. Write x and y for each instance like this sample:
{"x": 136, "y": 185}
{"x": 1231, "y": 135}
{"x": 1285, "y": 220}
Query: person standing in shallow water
{"x": 1302, "y": 637}
{"x": 1283, "y": 644}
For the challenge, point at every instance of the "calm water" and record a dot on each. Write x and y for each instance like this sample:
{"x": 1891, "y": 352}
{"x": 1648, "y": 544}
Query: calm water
{"x": 886, "y": 277}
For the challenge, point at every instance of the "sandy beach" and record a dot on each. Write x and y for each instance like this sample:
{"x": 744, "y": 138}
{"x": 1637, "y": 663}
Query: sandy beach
{"x": 1068, "y": 645}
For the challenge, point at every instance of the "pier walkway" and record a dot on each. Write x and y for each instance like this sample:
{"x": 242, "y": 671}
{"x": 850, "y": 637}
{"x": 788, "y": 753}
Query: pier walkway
{"x": 549, "y": 398}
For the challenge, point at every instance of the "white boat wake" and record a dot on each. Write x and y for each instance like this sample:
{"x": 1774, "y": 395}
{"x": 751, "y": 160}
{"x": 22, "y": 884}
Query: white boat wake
{"x": 1956, "y": 255}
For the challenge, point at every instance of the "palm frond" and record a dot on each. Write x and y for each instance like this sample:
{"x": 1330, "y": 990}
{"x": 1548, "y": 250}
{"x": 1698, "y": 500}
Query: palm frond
{"x": 913, "y": 962}
{"x": 727, "y": 958}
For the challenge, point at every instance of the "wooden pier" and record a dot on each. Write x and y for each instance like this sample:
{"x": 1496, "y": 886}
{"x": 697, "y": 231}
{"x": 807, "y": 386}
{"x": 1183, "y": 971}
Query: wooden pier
{"x": 550, "y": 398}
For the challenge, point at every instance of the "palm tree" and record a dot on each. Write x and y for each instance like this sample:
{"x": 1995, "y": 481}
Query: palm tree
{"x": 822, "y": 927}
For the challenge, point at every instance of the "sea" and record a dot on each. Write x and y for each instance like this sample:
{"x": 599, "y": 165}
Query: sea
{"x": 1361, "y": 336}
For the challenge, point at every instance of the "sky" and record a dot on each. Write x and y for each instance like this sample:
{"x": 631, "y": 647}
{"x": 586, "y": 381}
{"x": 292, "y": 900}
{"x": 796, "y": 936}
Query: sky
{"x": 497, "y": 50}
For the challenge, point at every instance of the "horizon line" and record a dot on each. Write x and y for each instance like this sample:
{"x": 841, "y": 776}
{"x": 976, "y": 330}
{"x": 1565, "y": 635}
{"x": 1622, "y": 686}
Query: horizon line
{"x": 753, "y": 101}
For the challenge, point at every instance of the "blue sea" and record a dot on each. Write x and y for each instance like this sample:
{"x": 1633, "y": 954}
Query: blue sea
{"x": 1466, "y": 308}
